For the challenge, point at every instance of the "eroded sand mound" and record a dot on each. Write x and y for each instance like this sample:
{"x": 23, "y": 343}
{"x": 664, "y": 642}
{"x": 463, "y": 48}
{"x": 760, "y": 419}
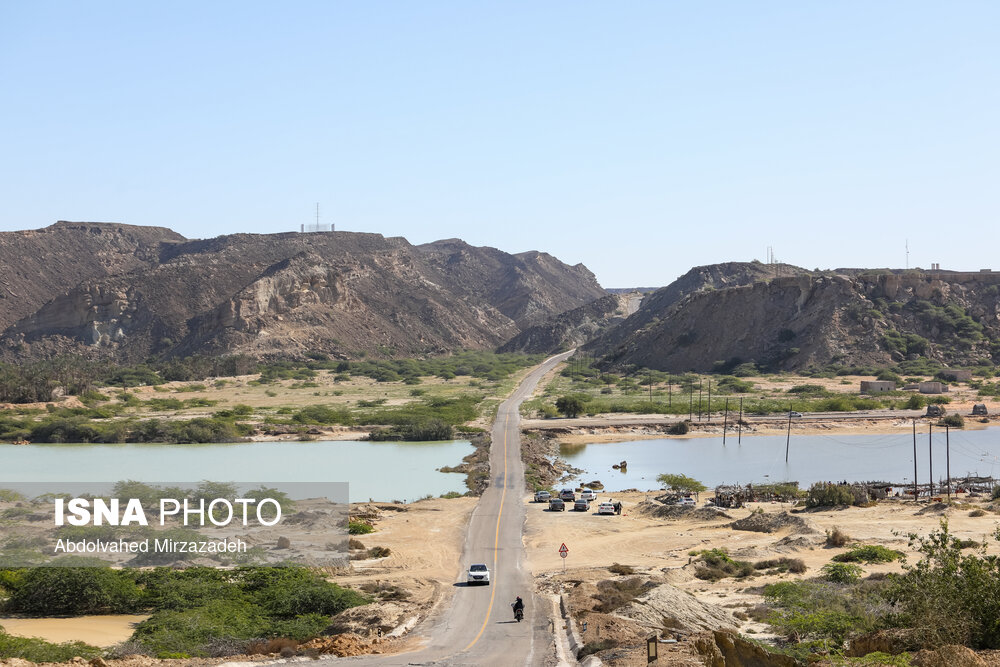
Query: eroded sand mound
{"x": 772, "y": 523}
{"x": 949, "y": 656}
{"x": 934, "y": 508}
{"x": 668, "y": 607}
{"x": 661, "y": 511}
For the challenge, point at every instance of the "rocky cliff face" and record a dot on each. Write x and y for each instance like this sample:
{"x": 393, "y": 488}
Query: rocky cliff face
{"x": 570, "y": 329}
{"x": 528, "y": 287}
{"x": 795, "y": 322}
{"x": 39, "y": 265}
{"x": 287, "y": 294}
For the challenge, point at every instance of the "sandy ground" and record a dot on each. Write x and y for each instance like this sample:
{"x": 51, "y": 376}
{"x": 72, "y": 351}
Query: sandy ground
{"x": 661, "y": 548}
{"x": 100, "y": 631}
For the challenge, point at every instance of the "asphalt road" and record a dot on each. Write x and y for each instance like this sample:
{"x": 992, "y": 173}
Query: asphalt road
{"x": 479, "y": 628}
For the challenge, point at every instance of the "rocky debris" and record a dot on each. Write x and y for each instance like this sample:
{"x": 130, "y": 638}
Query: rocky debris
{"x": 341, "y": 645}
{"x": 382, "y": 615}
{"x": 762, "y": 522}
{"x": 671, "y": 608}
{"x": 660, "y": 511}
{"x": 725, "y": 648}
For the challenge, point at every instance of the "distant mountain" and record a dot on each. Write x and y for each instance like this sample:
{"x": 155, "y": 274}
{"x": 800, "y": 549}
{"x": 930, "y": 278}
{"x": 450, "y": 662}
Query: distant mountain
{"x": 527, "y": 287}
{"x": 570, "y": 329}
{"x": 110, "y": 290}
{"x": 852, "y": 317}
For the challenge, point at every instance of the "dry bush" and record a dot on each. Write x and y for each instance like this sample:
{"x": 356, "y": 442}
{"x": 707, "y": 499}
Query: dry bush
{"x": 837, "y": 538}
{"x": 615, "y": 594}
{"x": 978, "y": 512}
{"x": 618, "y": 568}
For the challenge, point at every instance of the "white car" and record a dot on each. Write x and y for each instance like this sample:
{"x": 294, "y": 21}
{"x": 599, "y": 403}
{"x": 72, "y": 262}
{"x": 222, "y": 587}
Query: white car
{"x": 686, "y": 501}
{"x": 479, "y": 574}
{"x": 589, "y": 495}
{"x": 606, "y": 508}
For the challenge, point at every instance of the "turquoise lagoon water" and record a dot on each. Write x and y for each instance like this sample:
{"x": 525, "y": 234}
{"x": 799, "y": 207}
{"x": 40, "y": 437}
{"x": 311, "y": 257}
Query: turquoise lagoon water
{"x": 381, "y": 471}
{"x": 812, "y": 458}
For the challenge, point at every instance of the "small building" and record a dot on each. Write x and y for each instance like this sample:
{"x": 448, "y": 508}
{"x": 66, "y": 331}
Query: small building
{"x": 956, "y": 375}
{"x": 877, "y": 386}
{"x": 933, "y": 387}
{"x": 979, "y": 409}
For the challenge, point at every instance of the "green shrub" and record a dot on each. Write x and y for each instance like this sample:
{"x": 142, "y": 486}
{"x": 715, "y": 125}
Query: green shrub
{"x": 842, "y": 573}
{"x": 869, "y": 553}
{"x": 39, "y": 650}
{"x": 953, "y": 420}
{"x": 74, "y": 591}
{"x": 359, "y": 527}
{"x": 822, "y": 494}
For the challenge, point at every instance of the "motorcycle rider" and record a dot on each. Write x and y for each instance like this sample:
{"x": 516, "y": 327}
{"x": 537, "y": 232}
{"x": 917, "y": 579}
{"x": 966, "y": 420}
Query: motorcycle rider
{"x": 518, "y": 606}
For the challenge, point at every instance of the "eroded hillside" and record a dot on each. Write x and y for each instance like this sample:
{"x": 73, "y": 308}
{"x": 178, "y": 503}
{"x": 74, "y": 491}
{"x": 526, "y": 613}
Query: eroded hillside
{"x": 338, "y": 293}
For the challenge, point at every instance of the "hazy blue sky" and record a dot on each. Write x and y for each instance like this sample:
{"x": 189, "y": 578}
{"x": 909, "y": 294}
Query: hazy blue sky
{"x": 638, "y": 138}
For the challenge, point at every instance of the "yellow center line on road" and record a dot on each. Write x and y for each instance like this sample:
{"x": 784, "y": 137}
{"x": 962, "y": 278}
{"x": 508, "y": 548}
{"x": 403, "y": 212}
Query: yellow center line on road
{"x": 496, "y": 541}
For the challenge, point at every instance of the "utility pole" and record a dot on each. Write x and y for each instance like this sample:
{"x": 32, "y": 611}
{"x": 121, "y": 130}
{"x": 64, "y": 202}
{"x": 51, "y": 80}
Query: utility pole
{"x": 916, "y": 493}
{"x": 670, "y": 390}
{"x": 709, "y": 412}
{"x": 699, "y": 398}
{"x": 649, "y": 381}
{"x": 930, "y": 455}
{"x": 690, "y": 402}
{"x": 788, "y": 435}
{"x": 947, "y": 457}
{"x": 739, "y": 425}
{"x": 725, "y": 423}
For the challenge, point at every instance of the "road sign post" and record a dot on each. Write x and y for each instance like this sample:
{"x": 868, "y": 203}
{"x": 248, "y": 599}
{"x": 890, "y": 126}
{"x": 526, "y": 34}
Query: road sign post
{"x": 563, "y": 552}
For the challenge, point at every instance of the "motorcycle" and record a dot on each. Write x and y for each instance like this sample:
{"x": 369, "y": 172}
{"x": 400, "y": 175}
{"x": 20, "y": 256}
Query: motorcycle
{"x": 518, "y": 613}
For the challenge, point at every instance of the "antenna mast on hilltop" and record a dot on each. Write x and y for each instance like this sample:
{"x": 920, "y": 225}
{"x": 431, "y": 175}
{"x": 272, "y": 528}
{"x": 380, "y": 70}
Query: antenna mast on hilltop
{"x": 317, "y": 215}
{"x": 907, "y": 253}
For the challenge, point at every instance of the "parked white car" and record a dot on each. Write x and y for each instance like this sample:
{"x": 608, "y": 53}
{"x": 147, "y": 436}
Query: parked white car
{"x": 479, "y": 574}
{"x": 686, "y": 501}
{"x": 589, "y": 495}
{"x": 606, "y": 508}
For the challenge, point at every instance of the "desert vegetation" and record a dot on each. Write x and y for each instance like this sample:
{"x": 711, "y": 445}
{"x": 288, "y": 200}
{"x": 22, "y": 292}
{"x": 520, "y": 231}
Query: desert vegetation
{"x": 194, "y": 612}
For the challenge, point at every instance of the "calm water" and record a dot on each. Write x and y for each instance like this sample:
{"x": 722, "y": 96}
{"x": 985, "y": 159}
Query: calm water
{"x": 377, "y": 470}
{"x": 811, "y": 458}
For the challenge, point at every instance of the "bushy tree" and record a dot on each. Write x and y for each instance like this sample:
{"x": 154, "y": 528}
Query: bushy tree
{"x": 571, "y": 406}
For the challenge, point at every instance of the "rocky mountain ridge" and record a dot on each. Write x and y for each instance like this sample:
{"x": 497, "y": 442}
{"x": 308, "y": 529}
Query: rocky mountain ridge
{"x": 129, "y": 293}
{"x": 848, "y": 317}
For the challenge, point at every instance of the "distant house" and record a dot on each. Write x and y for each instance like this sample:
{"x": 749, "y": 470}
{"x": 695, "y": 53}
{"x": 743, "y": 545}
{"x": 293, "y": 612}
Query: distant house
{"x": 979, "y": 409}
{"x": 877, "y": 386}
{"x": 933, "y": 387}
{"x": 955, "y": 375}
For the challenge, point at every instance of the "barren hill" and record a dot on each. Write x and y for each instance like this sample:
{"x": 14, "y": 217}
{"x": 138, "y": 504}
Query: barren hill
{"x": 34, "y": 267}
{"x": 847, "y": 317}
{"x": 339, "y": 293}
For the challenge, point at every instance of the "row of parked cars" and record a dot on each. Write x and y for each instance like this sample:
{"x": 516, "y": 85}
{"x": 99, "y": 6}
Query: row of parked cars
{"x": 581, "y": 504}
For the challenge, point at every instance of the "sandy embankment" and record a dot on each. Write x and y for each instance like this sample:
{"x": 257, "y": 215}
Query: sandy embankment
{"x": 100, "y": 631}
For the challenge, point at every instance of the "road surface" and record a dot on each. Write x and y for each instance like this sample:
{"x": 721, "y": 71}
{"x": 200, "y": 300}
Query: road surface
{"x": 479, "y": 628}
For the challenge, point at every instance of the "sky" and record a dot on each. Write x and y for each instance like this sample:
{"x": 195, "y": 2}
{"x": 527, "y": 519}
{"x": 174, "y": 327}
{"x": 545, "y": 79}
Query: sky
{"x": 639, "y": 138}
